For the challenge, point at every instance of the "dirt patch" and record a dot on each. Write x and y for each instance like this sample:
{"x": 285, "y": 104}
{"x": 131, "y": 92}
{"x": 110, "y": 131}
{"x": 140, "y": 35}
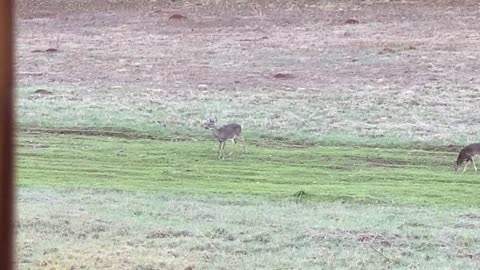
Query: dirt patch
{"x": 440, "y": 148}
{"x": 49, "y": 50}
{"x": 168, "y": 234}
{"x": 253, "y": 39}
{"x": 474, "y": 255}
{"x": 43, "y": 92}
{"x": 177, "y": 17}
{"x": 87, "y": 132}
{"x": 220, "y": 233}
{"x": 466, "y": 225}
{"x": 470, "y": 216}
{"x": 104, "y": 133}
{"x": 128, "y": 53}
{"x": 352, "y": 21}
{"x": 416, "y": 225}
{"x": 284, "y": 76}
{"x": 263, "y": 238}
{"x": 364, "y": 237}
{"x": 380, "y": 162}
{"x": 65, "y": 228}
{"x": 374, "y": 238}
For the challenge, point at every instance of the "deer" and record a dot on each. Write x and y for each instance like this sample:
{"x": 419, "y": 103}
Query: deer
{"x": 466, "y": 155}
{"x": 222, "y": 134}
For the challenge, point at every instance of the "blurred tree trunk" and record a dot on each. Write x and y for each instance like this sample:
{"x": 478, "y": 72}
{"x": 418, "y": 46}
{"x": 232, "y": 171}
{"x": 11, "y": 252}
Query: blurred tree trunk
{"x": 6, "y": 135}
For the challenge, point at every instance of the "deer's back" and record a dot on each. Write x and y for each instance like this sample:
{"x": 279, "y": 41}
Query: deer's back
{"x": 471, "y": 150}
{"x": 229, "y": 131}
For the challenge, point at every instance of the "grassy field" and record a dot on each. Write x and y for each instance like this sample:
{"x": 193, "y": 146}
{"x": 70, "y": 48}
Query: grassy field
{"x": 406, "y": 73}
{"x": 349, "y": 154}
{"x": 104, "y": 202}
{"x": 392, "y": 176}
{"x": 82, "y": 228}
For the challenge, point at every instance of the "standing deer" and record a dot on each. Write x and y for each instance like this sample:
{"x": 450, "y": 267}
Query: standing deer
{"x": 466, "y": 155}
{"x": 228, "y": 132}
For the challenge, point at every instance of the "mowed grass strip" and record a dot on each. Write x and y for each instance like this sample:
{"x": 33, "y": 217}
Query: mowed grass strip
{"x": 371, "y": 175}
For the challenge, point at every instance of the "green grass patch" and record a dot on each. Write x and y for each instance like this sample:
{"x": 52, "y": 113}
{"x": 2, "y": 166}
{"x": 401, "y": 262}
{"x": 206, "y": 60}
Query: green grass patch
{"x": 374, "y": 175}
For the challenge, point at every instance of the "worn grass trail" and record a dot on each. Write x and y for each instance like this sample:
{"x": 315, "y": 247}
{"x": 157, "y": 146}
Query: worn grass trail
{"x": 393, "y": 176}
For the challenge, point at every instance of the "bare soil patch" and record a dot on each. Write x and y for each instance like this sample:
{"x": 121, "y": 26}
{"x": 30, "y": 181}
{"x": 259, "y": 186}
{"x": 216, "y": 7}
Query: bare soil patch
{"x": 373, "y": 161}
{"x": 407, "y": 70}
{"x": 471, "y": 216}
{"x": 168, "y": 234}
{"x": 42, "y": 92}
{"x": 177, "y": 17}
{"x": 93, "y": 132}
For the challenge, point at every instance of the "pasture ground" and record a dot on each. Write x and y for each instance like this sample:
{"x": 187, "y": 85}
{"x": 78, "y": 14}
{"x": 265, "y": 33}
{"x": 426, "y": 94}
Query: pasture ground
{"x": 82, "y": 228}
{"x": 114, "y": 170}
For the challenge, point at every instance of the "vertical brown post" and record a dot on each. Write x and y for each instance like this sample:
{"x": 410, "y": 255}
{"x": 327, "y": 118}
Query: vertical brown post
{"x": 6, "y": 135}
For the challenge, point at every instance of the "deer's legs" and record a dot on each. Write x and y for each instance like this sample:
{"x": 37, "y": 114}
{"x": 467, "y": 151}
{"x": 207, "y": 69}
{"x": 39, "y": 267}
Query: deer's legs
{"x": 243, "y": 142}
{"x": 475, "y": 167}
{"x": 220, "y": 150}
{"x": 235, "y": 139}
{"x": 222, "y": 147}
{"x": 465, "y": 168}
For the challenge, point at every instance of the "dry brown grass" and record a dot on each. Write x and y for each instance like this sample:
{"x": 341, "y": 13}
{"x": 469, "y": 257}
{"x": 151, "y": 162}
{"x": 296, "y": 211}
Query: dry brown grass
{"x": 408, "y": 71}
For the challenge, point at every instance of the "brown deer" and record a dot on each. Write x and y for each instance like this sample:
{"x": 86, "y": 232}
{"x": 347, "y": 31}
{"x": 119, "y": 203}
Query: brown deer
{"x": 466, "y": 155}
{"x": 227, "y": 132}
